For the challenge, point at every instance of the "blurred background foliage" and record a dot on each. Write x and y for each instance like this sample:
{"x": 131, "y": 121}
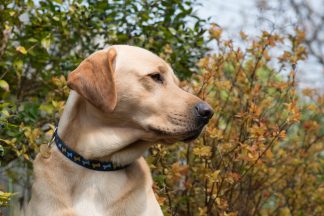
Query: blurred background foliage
{"x": 262, "y": 153}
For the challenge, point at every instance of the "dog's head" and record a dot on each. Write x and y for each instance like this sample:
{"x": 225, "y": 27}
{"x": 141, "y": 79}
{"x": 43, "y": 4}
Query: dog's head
{"x": 131, "y": 87}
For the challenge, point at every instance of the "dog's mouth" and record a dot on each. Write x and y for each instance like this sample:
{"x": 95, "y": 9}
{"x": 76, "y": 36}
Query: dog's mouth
{"x": 192, "y": 136}
{"x": 170, "y": 136}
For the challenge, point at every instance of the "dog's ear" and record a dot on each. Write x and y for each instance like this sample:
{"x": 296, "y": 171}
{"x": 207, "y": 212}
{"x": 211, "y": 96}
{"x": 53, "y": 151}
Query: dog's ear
{"x": 94, "y": 80}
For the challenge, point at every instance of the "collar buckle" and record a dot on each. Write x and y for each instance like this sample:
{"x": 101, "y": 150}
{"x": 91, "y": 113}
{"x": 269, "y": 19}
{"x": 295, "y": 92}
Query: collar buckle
{"x": 52, "y": 139}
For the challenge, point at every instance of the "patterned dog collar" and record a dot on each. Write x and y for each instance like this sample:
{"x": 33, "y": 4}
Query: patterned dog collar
{"x": 78, "y": 159}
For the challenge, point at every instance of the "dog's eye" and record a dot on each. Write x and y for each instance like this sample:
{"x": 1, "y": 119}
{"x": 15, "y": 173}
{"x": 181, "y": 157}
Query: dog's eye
{"x": 157, "y": 77}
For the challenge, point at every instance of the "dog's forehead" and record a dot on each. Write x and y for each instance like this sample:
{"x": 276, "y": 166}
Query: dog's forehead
{"x": 136, "y": 58}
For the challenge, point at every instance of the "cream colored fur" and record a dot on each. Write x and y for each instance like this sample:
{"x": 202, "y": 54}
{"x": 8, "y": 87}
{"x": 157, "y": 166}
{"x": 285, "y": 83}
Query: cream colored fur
{"x": 146, "y": 112}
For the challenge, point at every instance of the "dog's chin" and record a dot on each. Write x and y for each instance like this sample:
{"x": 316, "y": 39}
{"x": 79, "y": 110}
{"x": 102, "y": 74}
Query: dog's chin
{"x": 170, "y": 138}
{"x": 194, "y": 135}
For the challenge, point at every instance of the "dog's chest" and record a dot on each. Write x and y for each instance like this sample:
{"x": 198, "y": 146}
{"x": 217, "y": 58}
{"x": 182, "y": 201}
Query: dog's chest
{"x": 113, "y": 196}
{"x": 97, "y": 195}
{"x": 90, "y": 202}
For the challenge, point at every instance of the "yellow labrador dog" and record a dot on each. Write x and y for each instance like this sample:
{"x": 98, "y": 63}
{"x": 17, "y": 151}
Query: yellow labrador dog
{"x": 123, "y": 99}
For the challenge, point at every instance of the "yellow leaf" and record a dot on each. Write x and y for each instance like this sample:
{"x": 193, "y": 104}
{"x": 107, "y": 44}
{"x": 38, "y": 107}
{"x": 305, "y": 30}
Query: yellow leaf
{"x": 161, "y": 200}
{"x": 179, "y": 169}
{"x": 217, "y": 200}
{"x": 230, "y": 214}
{"x": 311, "y": 107}
{"x": 4, "y": 85}
{"x": 282, "y": 134}
{"x": 285, "y": 212}
{"x": 215, "y": 174}
{"x": 202, "y": 211}
{"x": 215, "y": 31}
{"x": 243, "y": 35}
{"x": 5, "y": 141}
{"x": 221, "y": 203}
{"x": 7, "y": 27}
{"x": 269, "y": 154}
{"x": 26, "y": 156}
{"x": 204, "y": 151}
{"x": 21, "y": 49}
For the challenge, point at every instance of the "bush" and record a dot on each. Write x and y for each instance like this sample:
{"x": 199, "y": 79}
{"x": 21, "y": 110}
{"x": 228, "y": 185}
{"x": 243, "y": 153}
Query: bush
{"x": 262, "y": 152}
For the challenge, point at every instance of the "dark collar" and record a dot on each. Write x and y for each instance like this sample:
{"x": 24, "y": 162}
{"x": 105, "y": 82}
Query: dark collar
{"x": 78, "y": 159}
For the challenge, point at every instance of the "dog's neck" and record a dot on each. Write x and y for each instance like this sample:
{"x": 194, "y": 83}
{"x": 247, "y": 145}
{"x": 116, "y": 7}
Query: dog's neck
{"x": 84, "y": 129}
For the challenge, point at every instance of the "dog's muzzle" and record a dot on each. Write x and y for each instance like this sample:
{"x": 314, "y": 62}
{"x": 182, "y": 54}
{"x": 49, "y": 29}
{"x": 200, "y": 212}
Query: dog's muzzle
{"x": 203, "y": 112}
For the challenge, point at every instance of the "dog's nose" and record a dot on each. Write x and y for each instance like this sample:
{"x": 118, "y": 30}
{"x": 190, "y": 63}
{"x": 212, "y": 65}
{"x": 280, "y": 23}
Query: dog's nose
{"x": 204, "y": 110}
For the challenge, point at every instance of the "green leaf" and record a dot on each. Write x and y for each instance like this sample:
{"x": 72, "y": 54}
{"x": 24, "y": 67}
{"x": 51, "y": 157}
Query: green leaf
{"x": 58, "y": 1}
{"x": 12, "y": 13}
{"x": 46, "y": 42}
{"x": 173, "y": 31}
{"x": 1, "y": 151}
{"x": 18, "y": 64}
{"x": 56, "y": 18}
{"x": 4, "y": 85}
{"x": 48, "y": 108}
{"x": 32, "y": 40}
{"x": 4, "y": 198}
{"x": 5, "y": 113}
